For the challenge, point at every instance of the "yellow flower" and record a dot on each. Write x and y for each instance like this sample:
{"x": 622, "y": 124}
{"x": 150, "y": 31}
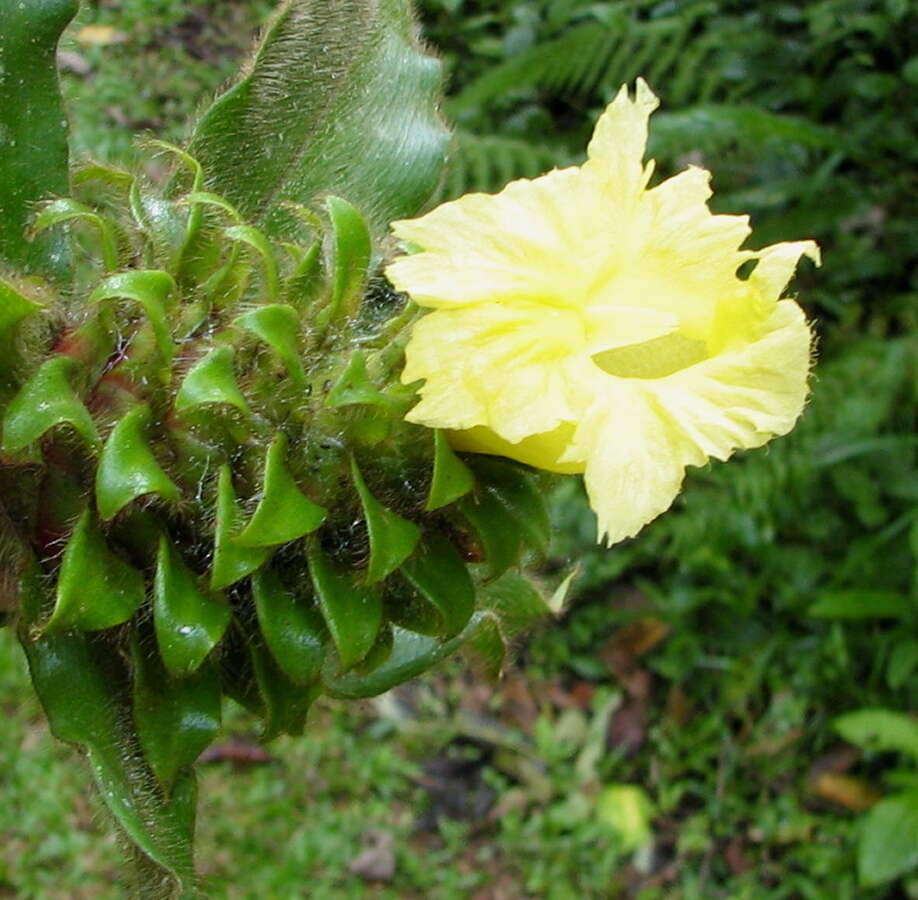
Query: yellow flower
{"x": 584, "y": 322}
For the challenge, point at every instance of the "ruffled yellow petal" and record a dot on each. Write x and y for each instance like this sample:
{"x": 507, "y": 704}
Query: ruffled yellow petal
{"x": 544, "y": 451}
{"x": 457, "y": 352}
{"x": 616, "y": 152}
{"x": 641, "y": 433}
{"x": 525, "y": 243}
{"x": 776, "y": 265}
{"x": 584, "y": 323}
{"x": 634, "y": 460}
{"x": 744, "y": 397}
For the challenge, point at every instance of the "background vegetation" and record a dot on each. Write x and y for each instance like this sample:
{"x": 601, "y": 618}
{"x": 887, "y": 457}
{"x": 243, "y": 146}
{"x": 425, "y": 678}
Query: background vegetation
{"x": 704, "y": 663}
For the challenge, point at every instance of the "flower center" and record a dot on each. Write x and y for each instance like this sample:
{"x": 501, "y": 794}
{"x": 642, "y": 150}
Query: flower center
{"x": 655, "y": 358}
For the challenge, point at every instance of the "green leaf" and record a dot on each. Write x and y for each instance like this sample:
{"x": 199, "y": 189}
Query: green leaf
{"x": 128, "y": 469}
{"x": 411, "y": 654}
{"x": 151, "y": 289}
{"x": 33, "y": 146}
{"x": 880, "y": 729}
{"x": 438, "y": 573}
{"x": 861, "y": 603}
{"x": 353, "y": 249}
{"x": 291, "y": 627}
{"x": 176, "y": 718}
{"x": 77, "y": 694}
{"x": 354, "y": 386}
{"x": 452, "y": 478}
{"x": 248, "y": 234}
{"x": 278, "y": 326}
{"x": 519, "y": 494}
{"x": 95, "y": 588}
{"x": 195, "y": 217}
{"x": 902, "y": 662}
{"x": 306, "y": 280}
{"x": 888, "y": 847}
{"x": 392, "y": 538}
{"x": 189, "y": 621}
{"x": 67, "y": 210}
{"x": 163, "y": 223}
{"x": 516, "y": 602}
{"x": 339, "y": 100}
{"x": 111, "y": 176}
{"x": 284, "y": 513}
{"x": 285, "y": 704}
{"x": 496, "y": 529}
{"x": 211, "y": 380}
{"x": 486, "y": 648}
{"x": 231, "y": 560}
{"x": 352, "y": 611}
{"x": 13, "y": 309}
{"x": 45, "y": 401}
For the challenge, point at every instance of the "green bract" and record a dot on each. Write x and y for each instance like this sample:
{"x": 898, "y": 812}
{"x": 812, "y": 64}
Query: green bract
{"x": 210, "y": 484}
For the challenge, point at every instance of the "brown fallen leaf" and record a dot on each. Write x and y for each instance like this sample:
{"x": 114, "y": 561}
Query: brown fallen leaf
{"x": 839, "y": 759}
{"x": 735, "y": 856}
{"x": 678, "y": 705}
{"x": 628, "y": 727}
{"x": 376, "y": 862}
{"x": 846, "y": 790}
{"x": 518, "y": 707}
{"x": 636, "y": 638}
{"x": 240, "y": 751}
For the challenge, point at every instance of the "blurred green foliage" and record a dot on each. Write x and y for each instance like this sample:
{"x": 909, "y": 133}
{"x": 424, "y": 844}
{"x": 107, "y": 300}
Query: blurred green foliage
{"x": 788, "y": 579}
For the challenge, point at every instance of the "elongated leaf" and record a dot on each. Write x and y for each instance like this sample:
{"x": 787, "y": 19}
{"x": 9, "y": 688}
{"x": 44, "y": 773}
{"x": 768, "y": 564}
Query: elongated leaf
{"x": 176, "y": 718}
{"x": 411, "y": 655}
{"x": 863, "y": 603}
{"x": 519, "y": 494}
{"x": 497, "y": 530}
{"x": 151, "y": 289}
{"x": 292, "y": 628}
{"x": 284, "y": 513}
{"x": 76, "y": 693}
{"x": 516, "y": 602}
{"x": 486, "y": 649}
{"x": 13, "y": 309}
{"x": 438, "y": 573}
{"x": 285, "y": 704}
{"x": 392, "y": 538}
{"x": 45, "y": 401}
{"x": 354, "y": 386}
{"x": 231, "y": 560}
{"x": 340, "y": 100}
{"x": 353, "y": 249}
{"x": 888, "y": 846}
{"x": 95, "y": 588}
{"x": 57, "y": 212}
{"x": 248, "y": 234}
{"x": 33, "y": 130}
{"x": 452, "y": 478}
{"x": 127, "y": 467}
{"x": 211, "y": 381}
{"x": 189, "y": 621}
{"x": 880, "y": 729}
{"x": 352, "y": 611}
{"x": 277, "y": 325}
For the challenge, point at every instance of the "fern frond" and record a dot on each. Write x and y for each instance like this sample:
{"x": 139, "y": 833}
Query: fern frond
{"x": 488, "y": 162}
{"x": 594, "y": 58}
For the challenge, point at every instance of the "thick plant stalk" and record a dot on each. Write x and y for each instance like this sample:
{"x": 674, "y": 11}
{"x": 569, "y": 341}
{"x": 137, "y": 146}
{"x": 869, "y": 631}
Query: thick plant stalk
{"x": 33, "y": 130}
{"x": 207, "y": 486}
